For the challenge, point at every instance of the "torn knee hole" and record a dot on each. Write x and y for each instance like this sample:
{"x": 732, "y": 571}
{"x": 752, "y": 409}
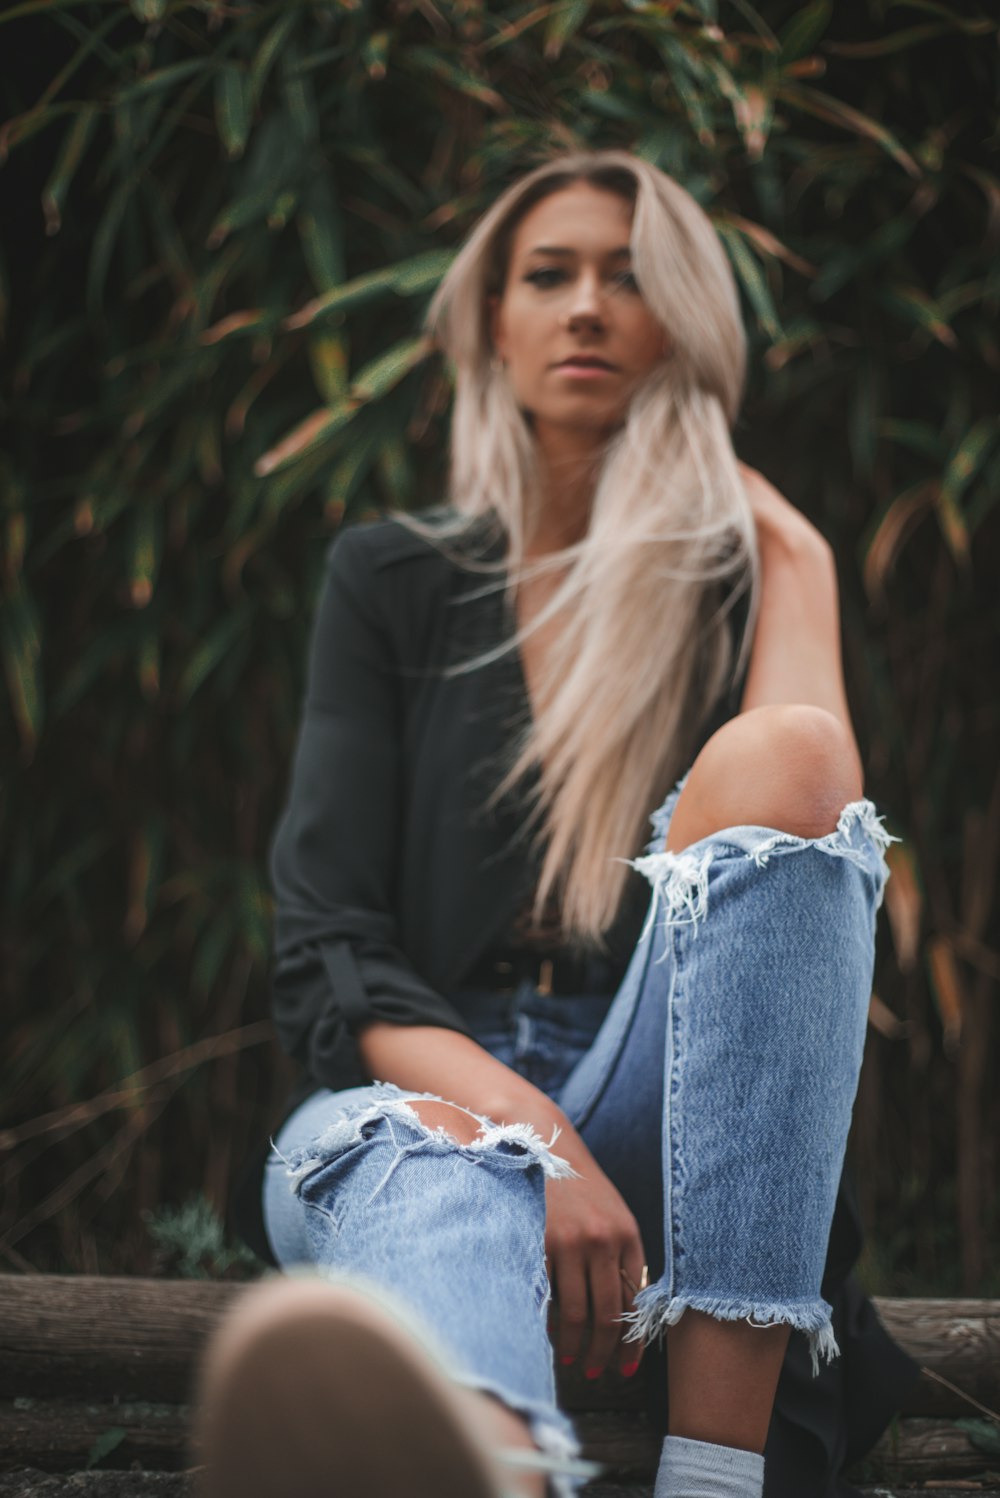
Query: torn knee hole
{"x": 462, "y": 1126}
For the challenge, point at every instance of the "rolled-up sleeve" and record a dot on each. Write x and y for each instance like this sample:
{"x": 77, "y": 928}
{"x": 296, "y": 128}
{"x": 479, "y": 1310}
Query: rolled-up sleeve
{"x": 334, "y": 859}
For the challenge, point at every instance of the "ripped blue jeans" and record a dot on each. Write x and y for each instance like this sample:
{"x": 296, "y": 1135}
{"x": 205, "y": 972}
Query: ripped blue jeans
{"x": 715, "y": 1089}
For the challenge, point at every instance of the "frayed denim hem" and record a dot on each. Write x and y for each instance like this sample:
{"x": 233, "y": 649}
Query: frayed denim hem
{"x": 655, "y": 1309}
{"x": 557, "y": 1452}
{"x": 389, "y": 1101}
{"x": 558, "y": 1448}
{"x": 680, "y": 880}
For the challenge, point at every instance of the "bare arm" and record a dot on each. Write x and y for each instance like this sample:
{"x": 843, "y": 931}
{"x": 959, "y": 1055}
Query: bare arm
{"x": 590, "y": 1233}
{"x": 796, "y": 655}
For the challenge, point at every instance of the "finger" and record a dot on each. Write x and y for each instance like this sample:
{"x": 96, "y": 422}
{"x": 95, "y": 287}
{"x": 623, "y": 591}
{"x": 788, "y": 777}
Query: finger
{"x": 571, "y": 1290}
{"x": 607, "y": 1293}
{"x": 630, "y": 1353}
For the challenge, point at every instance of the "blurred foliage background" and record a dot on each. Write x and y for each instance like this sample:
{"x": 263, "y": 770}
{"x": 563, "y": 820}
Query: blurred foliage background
{"x": 221, "y": 224}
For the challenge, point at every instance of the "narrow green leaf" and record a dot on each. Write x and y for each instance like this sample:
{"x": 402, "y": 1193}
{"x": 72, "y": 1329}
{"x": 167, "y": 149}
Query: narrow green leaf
{"x": 20, "y": 645}
{"x": 162, "y": 78}
{"x": 232, "y": 109}
{"x": 564, "y": 22}
{"x": 212, "y": 652}
{"x": 837, "y": 112}
{"x": 752, "y": 280}
{"x": 315, "y": 429}
{"x": 113, "y": 1437}
{"x": 968, "y": 457}
{"x": 147, "y": 543}
{"x": 212, "y": 950}
{"x": 799, "y": 36}
{"x": 70, "y": 155}
{"x": 382, "y": 374}
{"x": 268, "y": 53}
{"x": 321, "y": 231}
{"x": 409, "y": 278}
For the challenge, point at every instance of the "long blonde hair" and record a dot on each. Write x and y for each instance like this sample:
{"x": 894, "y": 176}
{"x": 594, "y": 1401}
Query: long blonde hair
{"x": 643, "y": 651}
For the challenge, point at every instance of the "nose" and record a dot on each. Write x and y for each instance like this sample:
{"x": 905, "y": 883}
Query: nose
{"x": 586, "y": 304}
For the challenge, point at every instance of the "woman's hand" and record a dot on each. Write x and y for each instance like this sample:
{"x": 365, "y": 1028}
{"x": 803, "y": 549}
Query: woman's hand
{"x": 590, "y": 1237}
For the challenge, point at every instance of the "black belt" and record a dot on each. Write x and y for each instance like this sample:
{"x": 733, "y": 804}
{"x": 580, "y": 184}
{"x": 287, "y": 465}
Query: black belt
{"x": 549, "y": 972}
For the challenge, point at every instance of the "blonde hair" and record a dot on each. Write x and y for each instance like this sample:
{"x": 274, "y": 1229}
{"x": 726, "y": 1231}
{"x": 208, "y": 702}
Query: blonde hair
{"x": 643, "y": 651}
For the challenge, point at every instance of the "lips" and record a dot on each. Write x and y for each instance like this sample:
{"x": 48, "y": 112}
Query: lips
{"x": 585, "y": 361}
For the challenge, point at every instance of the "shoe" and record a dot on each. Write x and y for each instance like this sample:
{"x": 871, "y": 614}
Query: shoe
{"x": 312, "y": 1388}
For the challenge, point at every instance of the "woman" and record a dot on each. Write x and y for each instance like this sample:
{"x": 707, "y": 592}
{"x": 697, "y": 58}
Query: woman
{"x": 524, "y": 1077}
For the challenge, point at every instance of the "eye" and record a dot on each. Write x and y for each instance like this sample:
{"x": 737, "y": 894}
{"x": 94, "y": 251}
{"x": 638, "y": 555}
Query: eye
{"x": 627, "y": 278}
{"x": 536, "y": 276}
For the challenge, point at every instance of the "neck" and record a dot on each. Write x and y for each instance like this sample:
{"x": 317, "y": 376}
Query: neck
{"x": 568, "y": 464}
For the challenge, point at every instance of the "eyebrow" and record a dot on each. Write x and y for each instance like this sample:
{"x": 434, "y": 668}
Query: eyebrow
{"x": 554, "y": 249}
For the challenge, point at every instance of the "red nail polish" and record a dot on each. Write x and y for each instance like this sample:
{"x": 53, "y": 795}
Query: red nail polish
{"x": 630, "y": 1370}
{"x": 567, "y": 1361}
{"x": 592, "y": 1372}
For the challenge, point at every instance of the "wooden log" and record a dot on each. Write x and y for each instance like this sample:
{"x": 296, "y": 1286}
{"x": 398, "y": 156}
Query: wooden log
{"x": 958, "y": 1340}
{"x": 33, "y": 1484}
{"x": 63, "y": 1435}
{"x": 96, "y": 1337}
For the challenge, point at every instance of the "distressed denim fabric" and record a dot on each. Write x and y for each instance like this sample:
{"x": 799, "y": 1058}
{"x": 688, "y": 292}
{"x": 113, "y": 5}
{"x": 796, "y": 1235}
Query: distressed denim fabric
{"x": 715, "y": 1089}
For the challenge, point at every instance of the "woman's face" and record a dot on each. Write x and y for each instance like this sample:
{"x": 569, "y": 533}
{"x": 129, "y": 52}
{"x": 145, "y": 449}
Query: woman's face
{"x": 570, "y": 293}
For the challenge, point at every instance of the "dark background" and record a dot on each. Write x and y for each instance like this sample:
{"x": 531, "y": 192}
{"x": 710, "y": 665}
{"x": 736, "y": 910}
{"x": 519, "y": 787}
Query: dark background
{"x": 177, "y": 183}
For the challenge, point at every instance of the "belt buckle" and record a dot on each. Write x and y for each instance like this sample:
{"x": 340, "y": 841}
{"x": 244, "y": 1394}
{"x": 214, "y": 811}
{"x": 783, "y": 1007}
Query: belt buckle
{"x": 544, "y": 984}
{"x": 506, "y": 969}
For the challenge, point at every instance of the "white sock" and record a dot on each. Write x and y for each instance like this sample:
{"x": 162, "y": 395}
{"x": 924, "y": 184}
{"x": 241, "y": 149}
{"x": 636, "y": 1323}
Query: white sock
{"x": 699, "y": 1469}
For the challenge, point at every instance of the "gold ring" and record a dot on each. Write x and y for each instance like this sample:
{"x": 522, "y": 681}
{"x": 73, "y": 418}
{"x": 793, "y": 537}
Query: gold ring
{"x": 643, "y": 1280}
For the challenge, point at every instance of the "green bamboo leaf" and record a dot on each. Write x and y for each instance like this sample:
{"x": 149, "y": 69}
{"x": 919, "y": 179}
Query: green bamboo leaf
{"x": 916, "y": 436}
{"x": 300, "y": 106}
{"x": 751, "y": 279}
{"x": 433, "y": 62}
{"x": 381, "y": 375}
{"x": 409, "y": 278}
{"x": 103, "y": 246}
{"x": 395, "y": 470}
{"x": 148, "y": 10}
{"x": 862, "y": 418}
{"x": 352, "y": 470}
{"x": 162, "y": 78}
{"x": 147, "y": 542}
{"x": 315, "y": 430}
{"x": 901, "y": 41}
{"x": 212, "y": 950}
{"x": 321, "y": 231}
{"x": 687, "y": 82}
{"x": 800, "y": 35}
{"x": 212, "y": 652}
{"x": 917, "y": 307}
{"x": 254, "y": 908}
{"x": 375, "y": 55}
{"x": 232, "y": 108}
{"x": 269, "y": 52}
{"x": 20, "y": 645}
{"x": 889, "y": 531}
{"x": 148, "y": 666}
{"x": 837, "y": 112}
{"x": 565, "y": 21}
{"x": 968, "y": 458}
{"x": 70, "y": 155}
{"x": 328, "y": 359}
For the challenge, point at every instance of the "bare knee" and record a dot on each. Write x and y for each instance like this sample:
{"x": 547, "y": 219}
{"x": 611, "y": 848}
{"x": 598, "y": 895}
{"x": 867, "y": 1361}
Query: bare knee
{"x": 461, "y": 1125}
{"x": 792, "y": 767}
